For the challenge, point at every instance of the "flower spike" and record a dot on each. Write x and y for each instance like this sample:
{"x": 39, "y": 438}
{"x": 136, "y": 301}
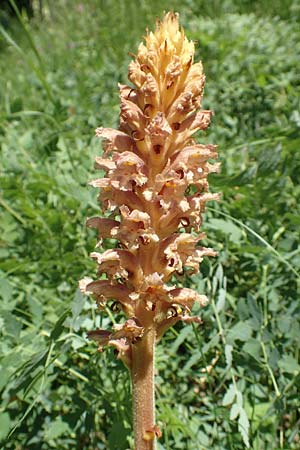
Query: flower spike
{"x": 155, "y": 190}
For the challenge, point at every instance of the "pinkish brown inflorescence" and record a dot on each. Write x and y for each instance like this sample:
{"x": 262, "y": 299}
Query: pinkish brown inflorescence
{"x": 150, "y": 163}
{"x": 155, "y": 190}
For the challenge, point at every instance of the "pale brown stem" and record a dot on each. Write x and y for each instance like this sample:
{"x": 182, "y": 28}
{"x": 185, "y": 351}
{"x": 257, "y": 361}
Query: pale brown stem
{"x": 142, "y": 375}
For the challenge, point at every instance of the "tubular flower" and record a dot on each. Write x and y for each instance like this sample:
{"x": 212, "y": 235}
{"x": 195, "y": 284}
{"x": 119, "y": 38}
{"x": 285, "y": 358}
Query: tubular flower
{"x": 154, "y": 191}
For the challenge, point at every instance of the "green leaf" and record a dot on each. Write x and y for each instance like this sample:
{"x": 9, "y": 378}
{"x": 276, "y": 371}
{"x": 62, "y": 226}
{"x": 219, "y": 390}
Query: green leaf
{"x": 234, "y": 233}
{"x": 36, "y": 309}
{"x": 194, "y": 359}
{"x": 258, "y": 411}
{"x": 59, "y": 326}
{"x": 4, "y": 425}
{"x": 234, "y": 412}
{"x": 221, "y": 300}
{"x": 180, "y": 339}
{"x": 26, "y": 140}
{"x": 6, "y": 290}
{"x": 254, "y": 310}
{"x": 5, "y": 376}
{"x": 12, "y": 325}
{"x": 78, "y": 304}
{"x": 27, "y": 370}
{"x": 244, "y": 426}
{"x": 56, "y": 429}
{"x": 289, "y": 364}
{"x": 241, "y": 331}
{"x": 253, "y": 348}
{"x": 117, "y": 437}
{"x": 229, "y": 396}
{"x": 75, "y": 322}
{"x": 228, "y": 354}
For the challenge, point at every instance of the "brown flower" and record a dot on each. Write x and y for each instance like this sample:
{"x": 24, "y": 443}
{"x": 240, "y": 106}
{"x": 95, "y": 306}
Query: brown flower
{"x": 154, "y": 192}
{"x": 150, "y": 164}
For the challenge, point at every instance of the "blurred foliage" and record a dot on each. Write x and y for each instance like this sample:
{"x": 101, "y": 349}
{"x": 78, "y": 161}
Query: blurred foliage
{"x": 236, "y": 378}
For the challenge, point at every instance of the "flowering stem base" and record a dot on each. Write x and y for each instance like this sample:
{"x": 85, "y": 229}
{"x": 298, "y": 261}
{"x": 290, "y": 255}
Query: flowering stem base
{"x": 142, "y": 374}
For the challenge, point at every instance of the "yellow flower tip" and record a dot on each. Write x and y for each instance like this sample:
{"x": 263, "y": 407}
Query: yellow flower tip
{"x": 164, "y": 74}
{"x": 152, "y": 433}
{"x": 171, "y": 37}
{"x": 149, "y": 436}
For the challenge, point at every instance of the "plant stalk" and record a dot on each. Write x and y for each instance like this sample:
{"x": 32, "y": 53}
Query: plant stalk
{"x": 142, "y": 376}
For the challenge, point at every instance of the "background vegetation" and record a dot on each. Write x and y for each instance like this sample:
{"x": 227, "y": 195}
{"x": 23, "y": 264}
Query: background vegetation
{"x": 234, "y": 381}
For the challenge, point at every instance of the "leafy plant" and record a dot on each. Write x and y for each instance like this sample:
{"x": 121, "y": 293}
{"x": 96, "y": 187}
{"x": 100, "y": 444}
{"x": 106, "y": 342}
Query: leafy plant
{"x": 252, "y": 66}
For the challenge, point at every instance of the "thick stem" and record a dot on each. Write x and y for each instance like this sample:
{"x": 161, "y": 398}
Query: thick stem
{"x": 142, "y": 375}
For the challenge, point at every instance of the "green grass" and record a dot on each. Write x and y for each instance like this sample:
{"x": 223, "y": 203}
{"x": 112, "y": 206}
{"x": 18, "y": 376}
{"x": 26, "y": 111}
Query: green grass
{"x": 58, "y": 82}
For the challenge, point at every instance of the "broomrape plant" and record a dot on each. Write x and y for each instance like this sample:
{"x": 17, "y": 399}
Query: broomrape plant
{"x": 154, "y": 193}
